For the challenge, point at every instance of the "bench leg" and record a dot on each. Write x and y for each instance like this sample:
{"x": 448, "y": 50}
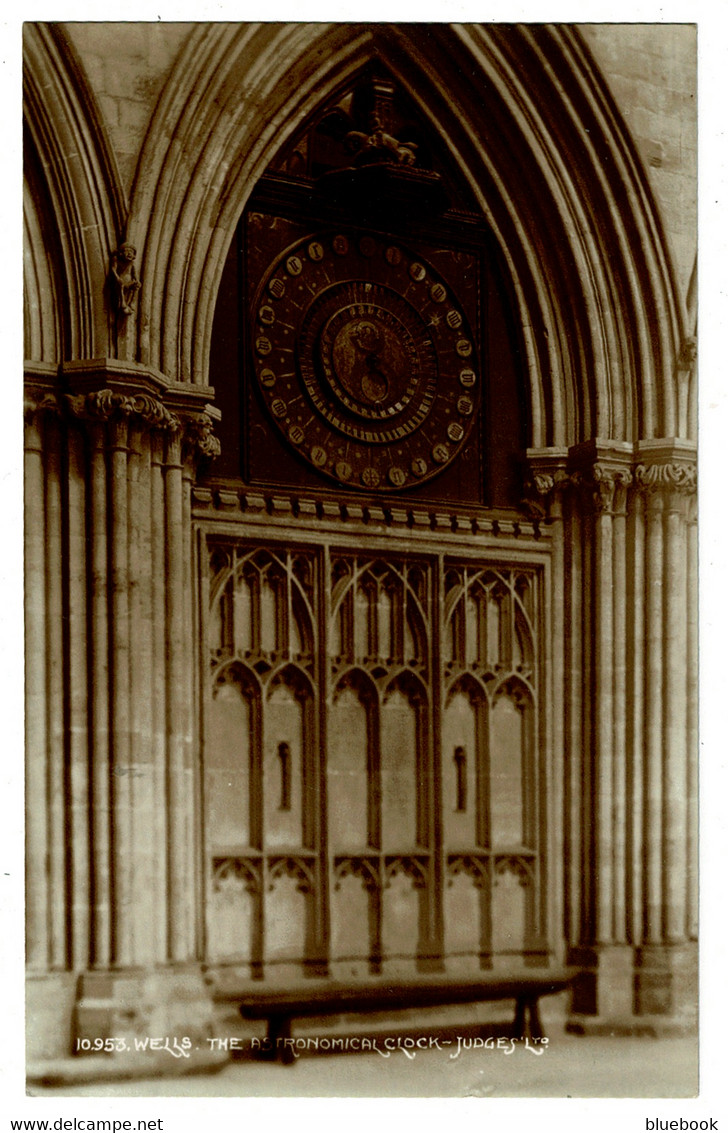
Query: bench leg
{"x": 536, "y": 1030}
{"x": 527, "y": 1022}
{"x": 279, "y": 1029}
{"x": 275, "y": 1048}
{"x": 519, "y": 1021}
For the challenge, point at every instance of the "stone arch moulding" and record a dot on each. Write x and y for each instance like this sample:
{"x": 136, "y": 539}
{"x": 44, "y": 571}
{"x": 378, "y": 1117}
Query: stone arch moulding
{"x": 548, "y": 159}
{"x": 82, "y": 182}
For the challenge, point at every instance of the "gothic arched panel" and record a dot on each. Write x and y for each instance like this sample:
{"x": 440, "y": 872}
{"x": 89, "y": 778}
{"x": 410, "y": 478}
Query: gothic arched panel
{"x": 463, "y": 929}
{"x": 229, "y": 754}
{"x": 285, "y": 753}
{"x": 287, "y": 915}
{"x": 233, "y": 912}
{"x": 353, "y": 924}
{"x": 507, "y": 779}
{"x": 352, "y": 769}
{"x": 401, "y": 783}
{"x": 464, "y": 768}
{"x": 401, "y": 914}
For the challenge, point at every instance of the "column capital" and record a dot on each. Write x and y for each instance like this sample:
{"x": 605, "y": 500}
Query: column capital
{"x": 668, "y": 466}
{"x": 603, "y": 470}
{"x": 106, "y": 392}
{"x": 37, "y": 401}
{"x": 129, "y": 378}
{"x": 39, "y": 392}
{"x": 108, "y": 405}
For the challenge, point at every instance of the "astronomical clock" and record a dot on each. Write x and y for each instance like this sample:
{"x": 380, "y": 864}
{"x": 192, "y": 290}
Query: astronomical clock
{"x": 374, "y": 342}
{"x": 365, "y": 359}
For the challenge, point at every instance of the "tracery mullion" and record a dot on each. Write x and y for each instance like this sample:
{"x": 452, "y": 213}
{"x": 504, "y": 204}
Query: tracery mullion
{"x": 282, "y": 585}
{"x": 544, "y": 786}
{"x": 376, "y": 917}
{"x": 396, "y": 635}
{"x": 530, "y": 827}
{"x": 436, "y": 684}
{"x": 482, "y": 633}
{"x": 371, "y": 590}
{"x": 322, "y": 648}
{"x": 507, "y": 630}
{"x": 255, "y": 757}
{"x": 486, "y": 914}
{"x": 374, "y": 773}
{"x": 256, "y": 613}
{"x": 482, "y": 774}
{"x": 310, "y": 764}
{"x": 347, "y": 624}
{"x": 530, "y": 792}
{"x": 257, "y": 932}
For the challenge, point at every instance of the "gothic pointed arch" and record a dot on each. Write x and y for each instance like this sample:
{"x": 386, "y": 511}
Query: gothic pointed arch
{"x": 389, "y": 718}
{"x": 70, "y": 165}
{"x": 548, "y": 160}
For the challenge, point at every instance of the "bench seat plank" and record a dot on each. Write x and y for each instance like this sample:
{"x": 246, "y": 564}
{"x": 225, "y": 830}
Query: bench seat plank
{"x": 339, "y": 998}
{"x": 281, "y": 1005}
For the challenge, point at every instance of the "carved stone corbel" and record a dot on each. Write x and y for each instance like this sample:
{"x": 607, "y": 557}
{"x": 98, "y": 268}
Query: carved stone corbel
{"x": 199, "y": 440}
{"x": 545, "y": 477}
{"x": 688, "y": 354}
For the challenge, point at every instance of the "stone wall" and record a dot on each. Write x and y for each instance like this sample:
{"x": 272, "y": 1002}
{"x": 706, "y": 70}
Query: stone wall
{"x": 126, "y": 66}
{"x": 651, "y": 72}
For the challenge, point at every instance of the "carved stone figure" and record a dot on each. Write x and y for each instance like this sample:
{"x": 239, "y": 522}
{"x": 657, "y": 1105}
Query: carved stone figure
{"x": 378, "y": 146}
{"x": 125, "y": 282}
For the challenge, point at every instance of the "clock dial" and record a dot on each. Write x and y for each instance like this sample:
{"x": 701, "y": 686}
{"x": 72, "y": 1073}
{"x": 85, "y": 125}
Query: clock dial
{"x": 365, "y": 361}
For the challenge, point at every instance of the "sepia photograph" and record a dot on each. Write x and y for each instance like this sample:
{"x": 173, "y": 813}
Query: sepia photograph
{"x": 360, "y": 559}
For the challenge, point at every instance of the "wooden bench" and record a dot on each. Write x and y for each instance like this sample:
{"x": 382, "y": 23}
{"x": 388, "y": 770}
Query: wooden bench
{"x": 281, "y": 1005}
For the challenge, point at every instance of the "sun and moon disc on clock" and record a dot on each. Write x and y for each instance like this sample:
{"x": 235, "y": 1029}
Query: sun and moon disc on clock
{"x": 365, "y": 361}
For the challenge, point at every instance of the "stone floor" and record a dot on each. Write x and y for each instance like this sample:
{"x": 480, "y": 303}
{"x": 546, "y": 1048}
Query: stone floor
{"x": 569, "y": 1067}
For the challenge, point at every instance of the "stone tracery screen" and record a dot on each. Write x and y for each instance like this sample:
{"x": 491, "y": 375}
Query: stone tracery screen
{"x": 374, "y": 793}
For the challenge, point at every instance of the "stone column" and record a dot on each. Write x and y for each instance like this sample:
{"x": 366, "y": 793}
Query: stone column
{"x": 691, "y": 594}
{"x": 638, "y": 759}
{"x": 76, "y": 697}
{"x": 666, "y": 961}
{"x": 634, "y": 748}
{"x": 123, "y": 845}
{"x": 99, "y": 740}
{"x": 54, "y": 756}
{"x": 50, "y": 986}
{"x": 37, "y": 833}
{"x": 601, "y": 473}
{"x": 622, "y": 480}
{"x": 110, "y": 779}
{"x": 653, "y": 710}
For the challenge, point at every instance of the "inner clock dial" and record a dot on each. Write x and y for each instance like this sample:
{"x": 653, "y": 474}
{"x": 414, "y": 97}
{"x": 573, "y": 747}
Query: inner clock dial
{"x": 367, "y": 362}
